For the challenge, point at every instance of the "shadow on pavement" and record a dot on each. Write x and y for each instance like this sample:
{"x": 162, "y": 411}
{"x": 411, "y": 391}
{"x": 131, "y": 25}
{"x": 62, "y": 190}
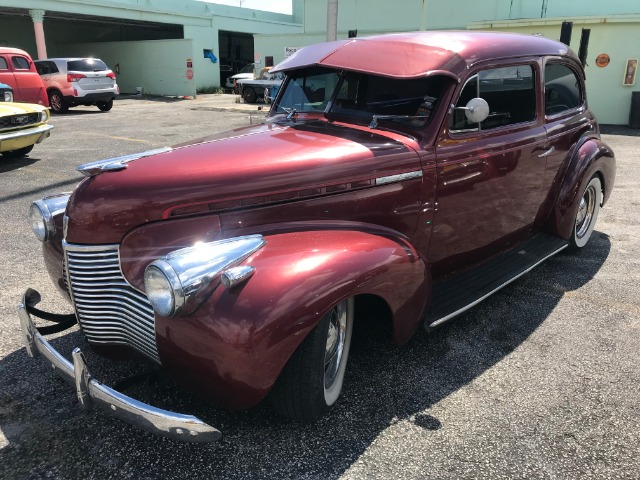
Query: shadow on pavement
{"x": 7, "y": 164}
{"x": 385, "y": 385}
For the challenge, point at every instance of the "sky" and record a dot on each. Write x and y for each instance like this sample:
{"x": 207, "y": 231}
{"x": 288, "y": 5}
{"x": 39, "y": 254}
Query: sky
{"x": 280, "y": 6}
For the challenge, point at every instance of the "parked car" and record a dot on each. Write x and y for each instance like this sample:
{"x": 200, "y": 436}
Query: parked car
{"x": 78, "y": 81}
{"x": 245, "y": 72}
{"x": 22, "y": 125}
{"x": 260, "y": 89}
{"x": 411, "y": 175}
{"x": 18, "y": 71}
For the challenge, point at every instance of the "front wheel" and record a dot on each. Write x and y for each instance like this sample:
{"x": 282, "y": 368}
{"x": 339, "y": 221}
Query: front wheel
{"x": 249, "y": 95}
{"x": 311, "y": 381}
{"x": 105, "y": 106}
{"x": 587, "y": 214}
{"x": 21, "y": 152}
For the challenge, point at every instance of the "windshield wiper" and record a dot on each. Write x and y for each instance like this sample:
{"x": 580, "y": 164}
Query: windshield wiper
{"x": 375, "y": 118}
{"x": 291, "y": 112}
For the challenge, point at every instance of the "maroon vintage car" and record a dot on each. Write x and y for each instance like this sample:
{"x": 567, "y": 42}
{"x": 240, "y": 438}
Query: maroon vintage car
{"x": 413, "y": 173}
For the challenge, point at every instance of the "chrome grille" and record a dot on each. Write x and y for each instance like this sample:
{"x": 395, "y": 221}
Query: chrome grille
{"x": 110, "y": 311}
{"x": 17, "y": 121}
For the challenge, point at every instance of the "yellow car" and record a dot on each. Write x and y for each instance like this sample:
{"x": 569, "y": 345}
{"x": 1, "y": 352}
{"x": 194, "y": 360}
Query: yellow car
{"x": 22, "y": 125}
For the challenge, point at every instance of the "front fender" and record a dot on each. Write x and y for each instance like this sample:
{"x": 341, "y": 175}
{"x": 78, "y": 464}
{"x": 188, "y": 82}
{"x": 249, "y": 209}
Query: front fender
{"x": 235, "y": 345}
{"x": 593, "y": 156}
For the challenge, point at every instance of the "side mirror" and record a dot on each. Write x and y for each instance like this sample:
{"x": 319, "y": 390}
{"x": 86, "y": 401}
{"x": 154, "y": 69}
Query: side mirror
{"x": 476, "y": 111}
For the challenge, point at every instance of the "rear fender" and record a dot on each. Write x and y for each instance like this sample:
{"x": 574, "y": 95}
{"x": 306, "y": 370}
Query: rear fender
{"x": 240, "y": 338}
{"x": 592, "y": 157}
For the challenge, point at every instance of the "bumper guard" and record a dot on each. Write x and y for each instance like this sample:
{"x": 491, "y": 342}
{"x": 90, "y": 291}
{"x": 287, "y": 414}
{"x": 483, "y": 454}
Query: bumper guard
{"x": 177, "y": 426}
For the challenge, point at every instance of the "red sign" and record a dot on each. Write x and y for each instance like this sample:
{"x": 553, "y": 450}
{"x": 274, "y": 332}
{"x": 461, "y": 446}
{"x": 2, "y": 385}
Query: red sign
{"x": 189, "y": 74}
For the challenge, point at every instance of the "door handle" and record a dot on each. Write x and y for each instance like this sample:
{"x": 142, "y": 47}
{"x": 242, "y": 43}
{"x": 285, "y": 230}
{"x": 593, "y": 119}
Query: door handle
{"x": 547, "y": 152}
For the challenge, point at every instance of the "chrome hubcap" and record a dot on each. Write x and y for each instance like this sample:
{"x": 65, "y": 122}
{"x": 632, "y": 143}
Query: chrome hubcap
{"x": 335, "y": 343}
{"x": 585, "y": 211}
{"x": 56, "y": 103}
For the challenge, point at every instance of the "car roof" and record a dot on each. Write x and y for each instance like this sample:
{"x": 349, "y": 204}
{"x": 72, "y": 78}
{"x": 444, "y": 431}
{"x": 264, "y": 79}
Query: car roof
{"x": 416, "y": 54}
{"x": 66, "y": 59}
{"x": 12, "y": 50}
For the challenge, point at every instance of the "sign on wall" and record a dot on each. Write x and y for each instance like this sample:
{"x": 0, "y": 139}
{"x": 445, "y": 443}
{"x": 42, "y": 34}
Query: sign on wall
{"x": 288, "y": 51}
{"x": 630, "y": 72}
{"x": 602, "y": 60}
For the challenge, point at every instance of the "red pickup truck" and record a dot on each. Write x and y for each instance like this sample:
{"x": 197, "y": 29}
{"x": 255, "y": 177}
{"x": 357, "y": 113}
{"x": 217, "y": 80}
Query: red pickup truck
{"x": 19, "y": 72}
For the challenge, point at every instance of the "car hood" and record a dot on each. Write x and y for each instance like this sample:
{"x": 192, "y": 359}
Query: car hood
{"x": 239, "y": 76}
{"x": 238, "y": 169}
{"x": 14, "y": 108}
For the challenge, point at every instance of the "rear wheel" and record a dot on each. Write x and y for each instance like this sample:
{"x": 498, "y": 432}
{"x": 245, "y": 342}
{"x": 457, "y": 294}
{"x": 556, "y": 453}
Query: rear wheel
{"x": 105, "y": 106}
{"x": 249, "y": 95}
{"x": 21, "y": 152}
{"x": 311, "y": 381}
{"x": 57, "y": 103}
{"x": 587, "y": 214}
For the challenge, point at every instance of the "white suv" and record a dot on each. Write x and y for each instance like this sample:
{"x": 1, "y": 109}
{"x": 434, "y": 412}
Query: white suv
{"x": 78, "y": 81}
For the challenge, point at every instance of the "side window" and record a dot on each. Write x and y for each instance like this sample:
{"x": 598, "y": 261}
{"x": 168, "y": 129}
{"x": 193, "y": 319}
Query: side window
{"x": 3, "y": 64}
{"x": 510, "y": 93}
{"x": 562, "y": 89}
{"x": 42, "y": 68}
{"x": 53, "y": 68}
{"x": 20, "y": 63}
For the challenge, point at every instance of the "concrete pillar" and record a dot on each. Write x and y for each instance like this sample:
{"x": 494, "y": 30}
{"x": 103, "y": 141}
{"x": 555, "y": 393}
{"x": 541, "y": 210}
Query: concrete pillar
{"x": 332, "y": 20}
{"x": 37, "y": 16}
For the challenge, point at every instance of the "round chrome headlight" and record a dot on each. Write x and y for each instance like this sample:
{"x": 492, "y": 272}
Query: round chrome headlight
{"x": 38, "y": 222}
{"x": 43, "y": 214}
{"x": 159, "y": 291}
{"x": 8, "y": 96}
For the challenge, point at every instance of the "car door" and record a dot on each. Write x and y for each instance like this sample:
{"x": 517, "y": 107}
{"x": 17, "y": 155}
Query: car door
{"x": 27, "y": 79}
{"x": 489, "y": 175}
{"x": 6, "y": 75}
{"x": 566, "y": 120}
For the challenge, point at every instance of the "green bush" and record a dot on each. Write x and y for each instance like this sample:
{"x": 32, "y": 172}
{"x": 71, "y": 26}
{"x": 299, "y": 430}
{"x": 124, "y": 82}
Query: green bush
{"x": 211, "y": 89}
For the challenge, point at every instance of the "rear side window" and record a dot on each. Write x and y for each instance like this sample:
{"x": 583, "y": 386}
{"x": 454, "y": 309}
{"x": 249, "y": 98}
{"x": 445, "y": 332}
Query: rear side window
{"x": 45, "y": 68}
{"x": 3, "y": 64}
{"x": 86, "y": 65}
{"x": 562, "y": 89}
{"x": 20, "y": 63}
{"x": 510, "y": 93}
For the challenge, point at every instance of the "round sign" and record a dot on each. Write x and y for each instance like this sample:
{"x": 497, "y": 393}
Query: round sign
{"x": 602, "y": 60}
{"x": 189, "y": 74}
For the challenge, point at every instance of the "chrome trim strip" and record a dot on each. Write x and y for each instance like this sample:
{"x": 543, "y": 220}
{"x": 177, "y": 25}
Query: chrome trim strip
{"x": 26, "y": 132}
{"x": 116, "y": 163}
{"x": 90, "y": 391}
{"x": 473, "y": 304}
{"x": 398, "y": 178}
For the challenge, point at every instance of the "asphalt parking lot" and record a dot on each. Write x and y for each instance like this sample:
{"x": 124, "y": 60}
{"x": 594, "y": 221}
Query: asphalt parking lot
{"x": 542, "y": 380}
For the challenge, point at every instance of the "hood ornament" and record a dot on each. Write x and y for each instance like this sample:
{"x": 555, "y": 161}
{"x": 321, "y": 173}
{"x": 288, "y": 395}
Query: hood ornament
{"x": 116, "y": 163}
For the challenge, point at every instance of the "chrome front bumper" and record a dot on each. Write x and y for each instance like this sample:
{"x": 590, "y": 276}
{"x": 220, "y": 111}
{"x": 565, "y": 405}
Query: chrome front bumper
{"x": 43, "y": 130}
{"x": 91, "y": 392}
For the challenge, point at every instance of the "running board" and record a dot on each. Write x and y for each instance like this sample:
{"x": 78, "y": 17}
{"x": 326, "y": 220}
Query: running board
{"x": 458, "y": 293}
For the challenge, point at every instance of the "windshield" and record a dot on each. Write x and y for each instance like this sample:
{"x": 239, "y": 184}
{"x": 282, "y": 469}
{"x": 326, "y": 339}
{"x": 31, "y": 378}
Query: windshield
{"x": 406, "y": 101}
{"x": 247, "y": 69}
